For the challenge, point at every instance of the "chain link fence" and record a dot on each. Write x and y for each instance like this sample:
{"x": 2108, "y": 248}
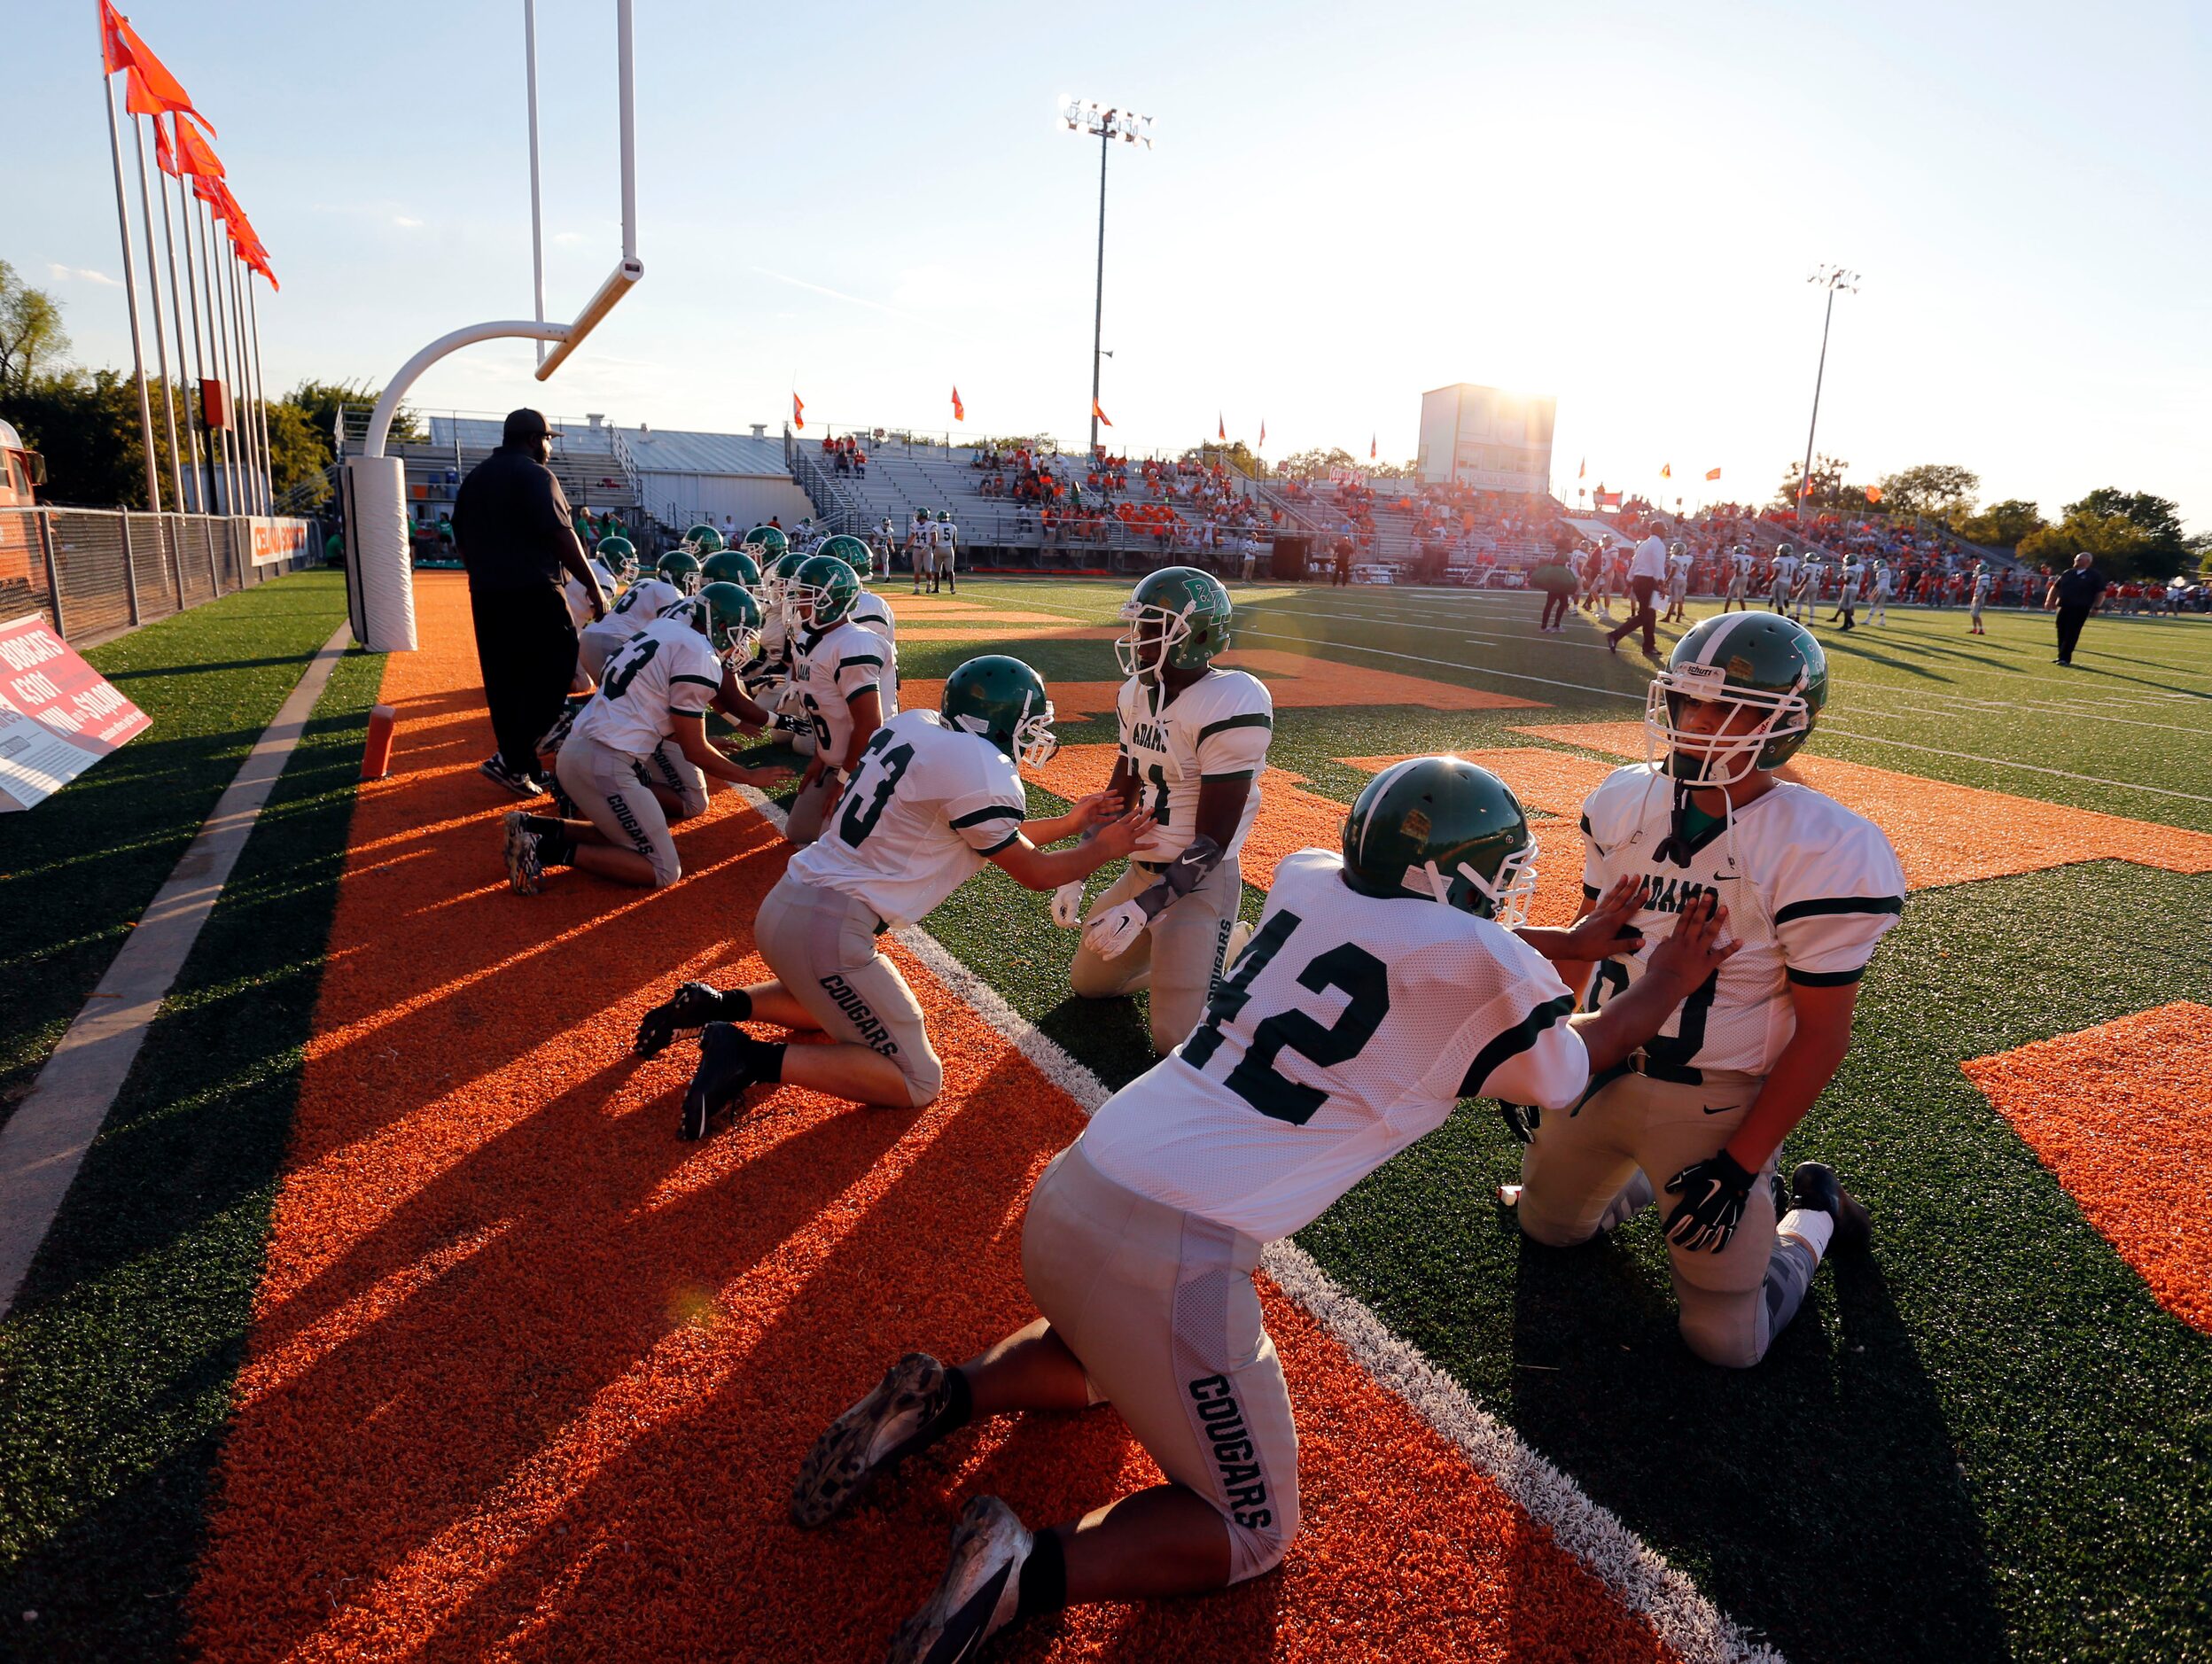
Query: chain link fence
{"x": 95, "y": 573}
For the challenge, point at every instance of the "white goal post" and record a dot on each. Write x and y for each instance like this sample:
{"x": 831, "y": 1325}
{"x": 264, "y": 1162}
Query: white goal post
{"x": 380, "y": 582}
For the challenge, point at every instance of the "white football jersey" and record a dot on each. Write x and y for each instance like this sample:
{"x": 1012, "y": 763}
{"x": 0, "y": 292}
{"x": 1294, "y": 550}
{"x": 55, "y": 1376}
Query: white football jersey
{"x": 1348, "y": 1028}
{"x": 1852, "y": 575}
{"x": 1981, "y": 585}
{"x": 636, "y": 608}
{"x": 1742, "y": 564}
{"x": 1217, "y": 728}
{"x": 1885, "y": 582}
{"x": 927, "y": 805}
{"x": 579, "y": 602}
{"x": 1810, "y": 887}
{"x": 1785, "y": 572}
{"x": 1678, "y": 569}
{"x": 829, "y": 670}
{"x": 940, "y": 535}
{"x": 872, "y": 613}
{"x": 664, "y": 671}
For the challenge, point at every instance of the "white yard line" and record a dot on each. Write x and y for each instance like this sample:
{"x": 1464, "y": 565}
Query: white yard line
{"x": 44, "y": 1142}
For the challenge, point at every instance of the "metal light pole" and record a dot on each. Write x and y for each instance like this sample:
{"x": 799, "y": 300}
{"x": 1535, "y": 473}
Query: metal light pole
{"x": 1831, "y": 278}
{"x": 1106, "y": 125}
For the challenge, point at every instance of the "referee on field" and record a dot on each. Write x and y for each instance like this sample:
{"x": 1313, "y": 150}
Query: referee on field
{"x": 2075, "y": 595}
{"x": 518, "y": 540}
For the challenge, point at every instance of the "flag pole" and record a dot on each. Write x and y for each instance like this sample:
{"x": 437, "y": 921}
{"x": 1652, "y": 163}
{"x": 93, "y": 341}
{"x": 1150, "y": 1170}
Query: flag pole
{"x": 260, "y": 403}
{"x": 218, "y": 353}
{"x": 203, "y": 467}
{"x": 161, "y": 330}
{"x": 177, "y": 312}
{"x": 130, "y": 292}
{"x": 233, "y": 271}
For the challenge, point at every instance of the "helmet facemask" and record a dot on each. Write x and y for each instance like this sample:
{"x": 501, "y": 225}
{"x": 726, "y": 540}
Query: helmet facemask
{"x": 1505, "y": 899}
{"x": 1035, "y": 743}
{"x": 1719, "y": 759}
{"x": 1146, "y": 648}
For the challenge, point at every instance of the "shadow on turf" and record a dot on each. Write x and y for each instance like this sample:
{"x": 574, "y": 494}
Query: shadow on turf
{"x": 1816, "y": 1498}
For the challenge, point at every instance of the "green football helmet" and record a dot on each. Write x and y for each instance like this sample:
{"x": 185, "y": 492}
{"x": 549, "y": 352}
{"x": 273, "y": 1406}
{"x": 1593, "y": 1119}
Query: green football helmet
{"x": 770, "y": 538}
{"x": 1004, "y": 701}
{"x": 1177, "y": 619}
{"x": 619, "y": 555}
{"x": 733, "y": 621}
{"x": 1757, "y": 661}
{"x": 1442, "y": 828}
{"x": 781, "y": 572}
{"x": 851, "y": 550}
{"x": 702, "y": 539}
{"x": 681, "y": 569}
{"x": 731, "y": 566}
{"x": 823, "y": 592}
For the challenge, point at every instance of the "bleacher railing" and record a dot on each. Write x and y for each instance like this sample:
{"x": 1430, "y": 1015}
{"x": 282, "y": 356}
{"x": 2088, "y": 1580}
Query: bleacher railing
{"x": 95, "y": 573}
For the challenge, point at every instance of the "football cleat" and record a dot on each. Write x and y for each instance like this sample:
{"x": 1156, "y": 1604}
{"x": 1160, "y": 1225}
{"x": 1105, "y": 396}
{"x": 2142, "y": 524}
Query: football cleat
{"x": 729, "y": 1062}
{"x": 1815, "y": 1185}
{"x": 872, "y": 1437}
{"x": 693, "y": 1006}
{"x": 524, "y": 869}
{"x": 980, "y": 1594}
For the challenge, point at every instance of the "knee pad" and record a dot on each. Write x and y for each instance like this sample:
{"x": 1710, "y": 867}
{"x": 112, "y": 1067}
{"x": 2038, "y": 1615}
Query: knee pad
{"x": 1726, "y": 1345}
{"x": 1256, "y": 1549}
{"x": 666, "y": 873}
{"x": 925, "y": 1078}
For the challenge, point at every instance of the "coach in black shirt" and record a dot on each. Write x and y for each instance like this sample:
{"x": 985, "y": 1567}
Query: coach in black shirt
{"x": 2075, "y": 594}
{"x": 517, "y": 540}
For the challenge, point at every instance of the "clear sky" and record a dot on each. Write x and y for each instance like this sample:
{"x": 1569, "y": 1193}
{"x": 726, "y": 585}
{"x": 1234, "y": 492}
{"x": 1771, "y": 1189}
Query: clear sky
{"x": 1615, "y": 204}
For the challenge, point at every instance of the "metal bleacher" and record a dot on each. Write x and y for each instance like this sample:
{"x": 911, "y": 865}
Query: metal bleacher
{"x": 902, "y": 476}
{"x": 586, "y": 460}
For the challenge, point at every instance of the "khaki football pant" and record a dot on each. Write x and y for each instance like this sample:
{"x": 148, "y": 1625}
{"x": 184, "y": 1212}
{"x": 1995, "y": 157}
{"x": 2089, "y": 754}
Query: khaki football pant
{"x": 820, "y": 945}
{"x": 808, "y": 810}
{"x": 610, "y": 789}
{"x": 1575, "y": 1174}
{"x": 1182, "y": 949}
{"x": 1159, "y": 1307}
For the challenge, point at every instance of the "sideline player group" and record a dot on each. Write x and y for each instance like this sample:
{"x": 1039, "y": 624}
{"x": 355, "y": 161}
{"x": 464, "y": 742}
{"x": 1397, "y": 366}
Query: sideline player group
{"x": 1656, "y": 1052}
{"x": 1787, "y": 584}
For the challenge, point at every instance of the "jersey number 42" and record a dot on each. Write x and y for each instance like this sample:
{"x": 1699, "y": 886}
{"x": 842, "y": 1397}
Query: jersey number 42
{"x": 1348, "y": 967}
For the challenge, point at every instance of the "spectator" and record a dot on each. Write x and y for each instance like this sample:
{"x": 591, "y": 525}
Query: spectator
{"x": 2074, "y": 593}
{"x": 516, "y": 537}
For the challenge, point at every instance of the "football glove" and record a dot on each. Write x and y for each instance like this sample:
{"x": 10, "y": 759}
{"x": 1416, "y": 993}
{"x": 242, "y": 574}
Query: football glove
{"x": 1714, "y": 1192}
{"x": 1114, "y": 931}
{"x": 783, "y": 722}
{"x": 1067, "y": 906}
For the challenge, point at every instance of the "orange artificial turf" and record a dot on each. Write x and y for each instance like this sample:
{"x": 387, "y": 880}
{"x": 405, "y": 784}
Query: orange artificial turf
{"x": 1947, "y": 833}
{"x": 2117, "y": 1114}
{"x": 529, "y": 1377}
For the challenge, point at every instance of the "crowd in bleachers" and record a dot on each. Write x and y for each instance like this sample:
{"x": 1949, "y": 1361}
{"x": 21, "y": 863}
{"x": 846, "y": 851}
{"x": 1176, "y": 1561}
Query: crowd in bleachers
{"x": 844, "y": 456}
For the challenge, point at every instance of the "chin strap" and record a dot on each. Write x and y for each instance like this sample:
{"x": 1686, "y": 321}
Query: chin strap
{"x": 1676, "y": 846}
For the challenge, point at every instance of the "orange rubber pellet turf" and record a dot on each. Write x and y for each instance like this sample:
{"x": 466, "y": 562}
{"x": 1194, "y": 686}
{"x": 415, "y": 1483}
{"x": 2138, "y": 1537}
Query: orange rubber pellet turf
{"x": 529, "y": 1377}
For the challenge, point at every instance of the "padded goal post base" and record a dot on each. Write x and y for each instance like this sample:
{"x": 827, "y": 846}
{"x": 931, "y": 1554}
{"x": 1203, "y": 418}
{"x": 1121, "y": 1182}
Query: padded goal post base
{"x": 379, "y": 584}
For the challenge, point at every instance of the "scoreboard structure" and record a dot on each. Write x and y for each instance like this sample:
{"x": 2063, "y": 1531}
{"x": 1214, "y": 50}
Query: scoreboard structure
{"x": 1487, "y": 438}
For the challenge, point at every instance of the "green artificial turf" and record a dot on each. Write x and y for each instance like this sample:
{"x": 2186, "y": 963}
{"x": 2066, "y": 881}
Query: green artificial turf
{"x": 117, "y": 1361}
{"x": 77, "y": 871}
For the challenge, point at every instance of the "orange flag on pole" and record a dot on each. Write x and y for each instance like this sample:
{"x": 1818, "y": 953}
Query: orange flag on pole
{"x": 164, "y": 155}
{"x": 1101, "y": 415}
{"x": 1263, "y": 433}
{"x": 1874, "y": 493}
{"x": 1666, "y": 471}
{"x": 1371, "y": 453}
{"x": 959, "y": 411}
{"x": 195, "y": 155}
{"x": 1712, "y": 473}
{"x": 1220, "y": 427}
{"x": 799, "y": 410}
{"x": 1584, "y": 471}
{"x": 152, "y": 89}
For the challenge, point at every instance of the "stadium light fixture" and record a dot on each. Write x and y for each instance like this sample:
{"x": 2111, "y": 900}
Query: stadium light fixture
{"x": 1834, "y": 279}
{"x": 1092, "y": 120}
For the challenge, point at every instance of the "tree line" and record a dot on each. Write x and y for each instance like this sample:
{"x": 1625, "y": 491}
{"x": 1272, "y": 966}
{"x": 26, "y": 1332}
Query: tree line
{"x": 85, "y": 422}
